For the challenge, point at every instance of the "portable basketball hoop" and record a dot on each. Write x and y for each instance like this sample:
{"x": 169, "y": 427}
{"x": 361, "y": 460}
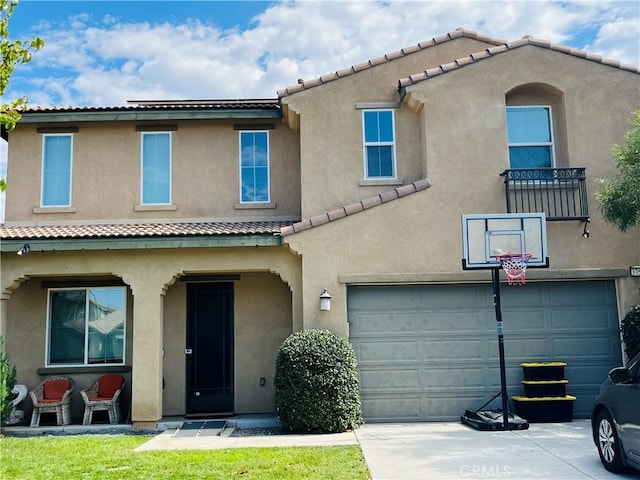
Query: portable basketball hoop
{"x": 485, "y": 238}
{"x": 515, "y": 266}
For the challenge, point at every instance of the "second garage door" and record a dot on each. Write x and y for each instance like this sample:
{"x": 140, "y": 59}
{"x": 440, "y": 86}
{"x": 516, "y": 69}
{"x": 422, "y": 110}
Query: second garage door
{"x": 428, "y": 352}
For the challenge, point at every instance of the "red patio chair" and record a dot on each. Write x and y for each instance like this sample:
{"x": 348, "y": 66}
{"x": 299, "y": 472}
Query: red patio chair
{"x": 104, "y": 394}
{"x": 52, "y": 395}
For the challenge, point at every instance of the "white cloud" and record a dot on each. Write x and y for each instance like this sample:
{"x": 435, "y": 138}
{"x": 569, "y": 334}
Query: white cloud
{"x": 107, "y": 61}
{"x": 619, "y": 40}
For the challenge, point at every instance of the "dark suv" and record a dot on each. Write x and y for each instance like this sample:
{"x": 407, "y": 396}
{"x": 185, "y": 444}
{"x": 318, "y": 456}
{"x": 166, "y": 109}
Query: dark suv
{"x": 615, "y": 419}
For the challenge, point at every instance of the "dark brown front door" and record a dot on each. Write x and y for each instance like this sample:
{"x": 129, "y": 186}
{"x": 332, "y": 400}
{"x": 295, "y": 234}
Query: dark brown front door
{"x": 209, "y": 348}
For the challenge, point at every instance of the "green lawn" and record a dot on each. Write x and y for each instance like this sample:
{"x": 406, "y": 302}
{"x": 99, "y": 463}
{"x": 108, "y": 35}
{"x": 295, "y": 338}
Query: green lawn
{"x": 113, "y": 457}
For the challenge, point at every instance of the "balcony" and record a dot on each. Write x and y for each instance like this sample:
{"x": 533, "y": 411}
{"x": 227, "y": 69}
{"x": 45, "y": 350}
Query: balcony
{"x": 561, "y": 193}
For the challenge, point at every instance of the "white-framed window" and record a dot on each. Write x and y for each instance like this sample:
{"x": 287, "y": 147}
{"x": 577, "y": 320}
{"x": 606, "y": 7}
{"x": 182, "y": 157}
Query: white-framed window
{"x": 530, "y": 137}
{"x": 156, "y": 168}
{"x": 57, "y": 157}
{"x": 254, "y": 166}
{"x": 378, "y": 132}
{"x": 86, "y": 326}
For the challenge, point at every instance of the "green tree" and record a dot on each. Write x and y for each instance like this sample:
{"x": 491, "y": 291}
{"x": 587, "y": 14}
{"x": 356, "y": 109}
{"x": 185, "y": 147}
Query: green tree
{"x": 7, "y": 382}
{"x": 16, "y": 52}
{"x": 619, "y": 198}
{"x": 630, "y": 328}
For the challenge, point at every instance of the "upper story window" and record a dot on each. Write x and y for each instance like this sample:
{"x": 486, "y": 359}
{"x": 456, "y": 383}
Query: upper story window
{"x": 530, "y": 137}
{"x": 254, "y": 167}
{"x": 156, "y": 168}
{"x": 379, "y": 144}
{"x": 86, "y": 326}
{"x": 57, "y": 153}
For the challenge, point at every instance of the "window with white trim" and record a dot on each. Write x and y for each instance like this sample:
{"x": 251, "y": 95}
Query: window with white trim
{"x": 57, "y": 154}
{"x": 530, "y": 137}
{"x": 156, "y": 168}
{"x": 86, "y": 326}
{"x": 254, "y": 167}
{"x": 379, "y": 144}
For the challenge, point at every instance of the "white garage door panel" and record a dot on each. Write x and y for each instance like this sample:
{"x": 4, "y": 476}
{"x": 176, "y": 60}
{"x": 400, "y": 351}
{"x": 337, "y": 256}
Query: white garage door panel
{"x": 523, "y": 346}
{"x": 390, "y": 380}
{"x": 405, "y": 407}
{"x": 438, "y": 378}
{"x": 379, "y": 324}
{"x": 446, "y": 322}
{"x": 518, "y": 321}
{"x": 428, "y": 352}
{"x": 596, "y": 345}
{"x": 390, "y": 352}
{"x": 451, "y": 350}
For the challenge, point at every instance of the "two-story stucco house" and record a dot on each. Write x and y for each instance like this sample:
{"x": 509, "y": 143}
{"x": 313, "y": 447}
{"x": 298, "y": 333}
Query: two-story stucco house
{"x": 181, "y": 242}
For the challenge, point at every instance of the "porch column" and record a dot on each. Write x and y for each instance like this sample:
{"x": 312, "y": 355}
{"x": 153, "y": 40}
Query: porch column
{"x": 146, "y": 375}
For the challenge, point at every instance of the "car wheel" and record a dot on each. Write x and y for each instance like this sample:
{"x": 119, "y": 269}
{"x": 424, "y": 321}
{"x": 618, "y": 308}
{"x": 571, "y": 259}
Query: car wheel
{"x": 608, "y": 444}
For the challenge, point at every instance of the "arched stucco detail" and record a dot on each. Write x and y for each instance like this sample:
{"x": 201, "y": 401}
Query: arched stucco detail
{"x": 538, "y": 93}
{"x": 534, "y": 87}
{"x": 15, "y": 284}
{"x": 5, "y": 296}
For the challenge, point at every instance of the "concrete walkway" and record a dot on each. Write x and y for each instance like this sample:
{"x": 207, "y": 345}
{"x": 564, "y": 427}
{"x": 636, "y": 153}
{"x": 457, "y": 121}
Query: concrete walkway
{"x": 167, "y": 441}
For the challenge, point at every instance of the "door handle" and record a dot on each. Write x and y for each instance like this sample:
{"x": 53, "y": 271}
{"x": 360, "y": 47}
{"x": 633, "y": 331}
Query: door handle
{"x": 188, "y": 351}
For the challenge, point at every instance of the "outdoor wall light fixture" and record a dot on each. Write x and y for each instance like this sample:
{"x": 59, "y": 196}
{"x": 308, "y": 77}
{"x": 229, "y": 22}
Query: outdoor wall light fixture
{"x": 24, "y": 249}
{"x": 325, "y": 301}
{"x": 585, "y": 232}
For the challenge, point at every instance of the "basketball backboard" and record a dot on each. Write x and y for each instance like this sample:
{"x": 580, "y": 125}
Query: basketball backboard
{"x": 486, "y": 235}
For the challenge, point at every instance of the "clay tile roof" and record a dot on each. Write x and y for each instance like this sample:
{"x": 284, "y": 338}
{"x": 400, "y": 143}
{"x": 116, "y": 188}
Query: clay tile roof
{"x": 498, "y": 49}
{"x": 353, "y": 208}
{"x": 133, "y": 105}
{"x": 136, "y": 230}
{"x": 458, "y": 33}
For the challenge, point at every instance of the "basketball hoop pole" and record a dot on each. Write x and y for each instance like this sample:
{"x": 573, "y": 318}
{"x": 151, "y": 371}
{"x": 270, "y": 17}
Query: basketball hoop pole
{"x": 495, "y": 277}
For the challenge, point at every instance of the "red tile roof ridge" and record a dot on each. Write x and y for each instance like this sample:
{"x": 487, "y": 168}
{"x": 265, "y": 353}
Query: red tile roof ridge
{"x": 389, "y": 57}
{"x": 490, "y": 52}
{"x": 357, "y": 207}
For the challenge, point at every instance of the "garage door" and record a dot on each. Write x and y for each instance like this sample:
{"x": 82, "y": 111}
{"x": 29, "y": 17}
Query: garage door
{"x": 428, "y": 352}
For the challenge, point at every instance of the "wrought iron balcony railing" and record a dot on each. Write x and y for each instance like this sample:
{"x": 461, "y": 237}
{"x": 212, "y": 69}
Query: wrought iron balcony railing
{"x": 561, "y": 193}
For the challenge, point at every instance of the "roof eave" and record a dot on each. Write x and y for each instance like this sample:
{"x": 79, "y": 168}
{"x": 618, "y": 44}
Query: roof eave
{"x": 164, "y": 115}
{"x": 137, "y": 243}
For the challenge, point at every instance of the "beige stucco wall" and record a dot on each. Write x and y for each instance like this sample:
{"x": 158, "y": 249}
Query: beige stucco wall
{"x": 418, "y": 239}
{"x": 460, "y": 139}
{"x": 267, "y": 309}
{"x": 460, "y": 131}
{"x": 332, "y": 162}
{"x": 106, "y": 174}
{"x": 464, "y": 113}
{"x": 262, "y": 321}
{"x": 264, "y": 304}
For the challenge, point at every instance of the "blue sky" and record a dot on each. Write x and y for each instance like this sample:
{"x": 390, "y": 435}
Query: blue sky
{"x": 107, "y": 52}
{"x": 104, "y": 52}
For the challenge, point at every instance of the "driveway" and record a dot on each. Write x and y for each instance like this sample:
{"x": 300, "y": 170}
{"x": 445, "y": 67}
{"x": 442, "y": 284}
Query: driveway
{"x": 435, "y": 451}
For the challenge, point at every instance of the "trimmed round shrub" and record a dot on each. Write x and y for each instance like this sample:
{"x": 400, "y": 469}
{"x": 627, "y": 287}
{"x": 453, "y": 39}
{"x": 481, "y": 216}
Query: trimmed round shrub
{"x": 630, "y": 327}
{"x": 316, "y": 383}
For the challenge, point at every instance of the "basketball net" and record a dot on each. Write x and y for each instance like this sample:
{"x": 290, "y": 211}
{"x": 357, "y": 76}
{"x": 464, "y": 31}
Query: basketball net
{"x": 515, "y": 266}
